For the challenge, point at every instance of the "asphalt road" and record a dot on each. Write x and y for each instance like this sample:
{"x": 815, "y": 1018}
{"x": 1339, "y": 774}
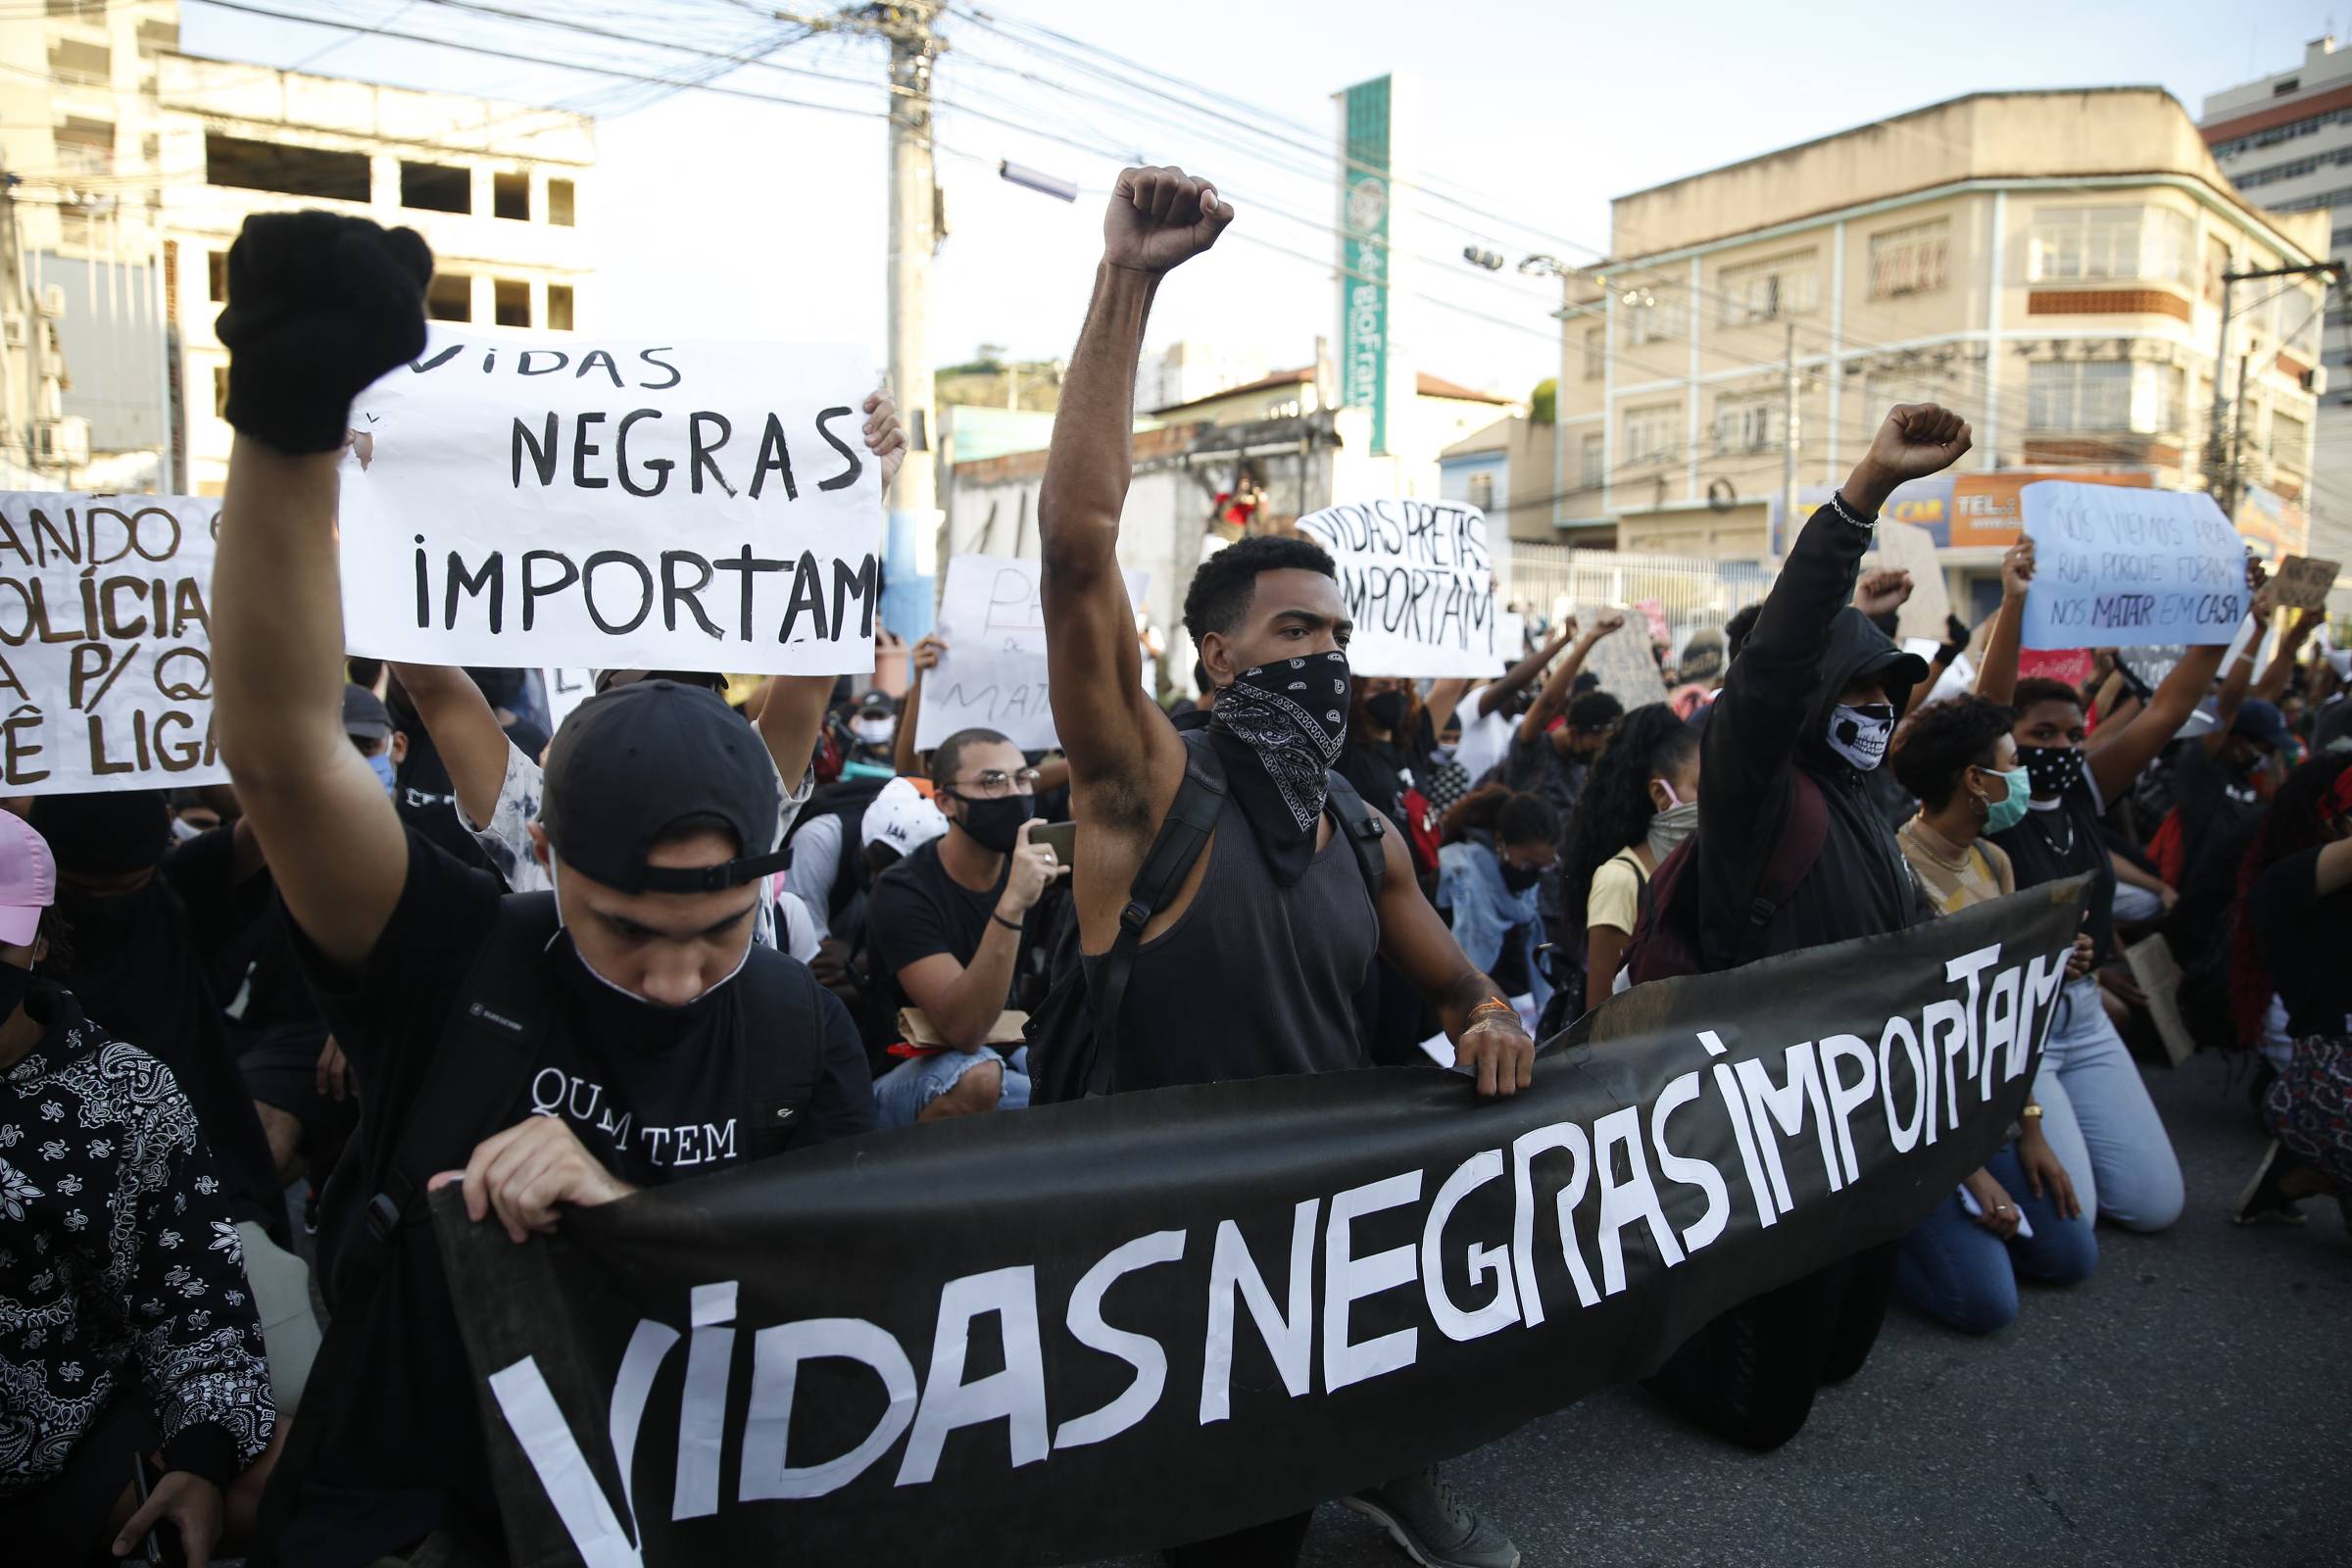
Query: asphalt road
{"x": 2190, "y": 1403}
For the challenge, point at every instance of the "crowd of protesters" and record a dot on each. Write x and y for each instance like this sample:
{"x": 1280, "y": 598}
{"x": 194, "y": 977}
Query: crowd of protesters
{"x": 422, "y": 939}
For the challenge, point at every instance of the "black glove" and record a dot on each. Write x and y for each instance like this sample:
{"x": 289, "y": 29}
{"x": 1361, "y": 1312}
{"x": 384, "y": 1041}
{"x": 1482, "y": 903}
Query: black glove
{"x": 1955, "y": 640}
{"x": 318, "y": 308}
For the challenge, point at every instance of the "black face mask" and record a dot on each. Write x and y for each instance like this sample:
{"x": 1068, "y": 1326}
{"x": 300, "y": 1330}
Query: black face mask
{"x": 610, "y": 1016}
{"x": 1519, "y": 878}
{"x": 2053, "y": 769}
{"x": 15, "y": 983}
{"x": 996, "y": 826}
{"x": 101, "y": 923}
{"x": 1387, "y": 710}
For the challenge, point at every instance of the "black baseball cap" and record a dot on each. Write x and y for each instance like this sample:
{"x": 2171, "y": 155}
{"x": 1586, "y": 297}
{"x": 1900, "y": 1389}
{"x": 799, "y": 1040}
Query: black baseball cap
{"x": 631, "y": 762}
{"x": 364, "y": 717}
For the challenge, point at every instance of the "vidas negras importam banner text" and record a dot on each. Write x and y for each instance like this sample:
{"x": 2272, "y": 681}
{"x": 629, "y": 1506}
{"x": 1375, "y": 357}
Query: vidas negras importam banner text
{"x": 1096, "y": 1328}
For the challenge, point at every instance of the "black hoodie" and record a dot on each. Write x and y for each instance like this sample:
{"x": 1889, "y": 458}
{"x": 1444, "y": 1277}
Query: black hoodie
{"x": 1772, "y": 719}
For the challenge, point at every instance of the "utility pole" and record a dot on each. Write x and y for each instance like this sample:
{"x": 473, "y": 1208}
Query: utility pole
{"x": 912, "y": 547}
{"x": 1788, "y": 511}
{"x": 2224, "y": 433}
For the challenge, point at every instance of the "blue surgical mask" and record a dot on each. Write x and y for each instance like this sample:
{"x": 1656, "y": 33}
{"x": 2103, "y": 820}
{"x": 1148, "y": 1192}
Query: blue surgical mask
{"x": 2010, "y": 809}
{"x": 383, "y": 770}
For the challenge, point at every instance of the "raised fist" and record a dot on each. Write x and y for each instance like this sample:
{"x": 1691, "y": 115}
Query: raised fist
{"x": 1159, "y": 218}
{"x": 1918, "y": 439}
{"x": 318, "y": 308}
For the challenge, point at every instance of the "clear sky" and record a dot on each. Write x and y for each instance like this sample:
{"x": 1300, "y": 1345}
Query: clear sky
{"x": 720, "y": 216}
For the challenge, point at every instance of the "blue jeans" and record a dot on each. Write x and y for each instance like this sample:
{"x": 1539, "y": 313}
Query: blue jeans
{"x": 901, "y": 1094}
{"x": 2099, "y": 1120}
{"x": 1965, "y": 1277}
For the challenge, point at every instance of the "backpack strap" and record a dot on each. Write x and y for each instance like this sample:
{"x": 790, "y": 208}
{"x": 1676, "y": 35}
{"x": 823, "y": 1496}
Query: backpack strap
{"x": 1192, "y": 818}
{"x": 1364, "y": 828}
{"x": 480, "y": 1062}
{"x": 1793, "y": 852}
{"x": 783, "y": 1044}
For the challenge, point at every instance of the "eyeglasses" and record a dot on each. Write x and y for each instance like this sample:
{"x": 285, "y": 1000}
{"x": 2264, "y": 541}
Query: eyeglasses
{"x": 996, "y": 782}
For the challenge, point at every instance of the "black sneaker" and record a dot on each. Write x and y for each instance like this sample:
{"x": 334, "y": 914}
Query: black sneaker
{"x": 2264, "y": 1200}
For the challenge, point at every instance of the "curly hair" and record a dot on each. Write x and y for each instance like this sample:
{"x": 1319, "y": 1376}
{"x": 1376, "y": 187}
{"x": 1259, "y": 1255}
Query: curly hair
{"x": 2293, "y": 825}
{"x": 1224, "y": 584}
{"x": 1614, "y": 810}
{"x": 1944, "y": 740}
{"x": 1508, "y": 815}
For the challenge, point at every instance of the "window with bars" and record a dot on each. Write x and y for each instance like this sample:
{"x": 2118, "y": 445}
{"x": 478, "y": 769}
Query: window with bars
{"x": 1481, "y": 491}
{"x": 1651, "y": 433}
{"x": 1768, "y": 290}
{"x": 1592, "y": 460}
{"x": 1749, "y": 423}
{"x": 1913, "y": 260}
{"x": 2079, "y": 244}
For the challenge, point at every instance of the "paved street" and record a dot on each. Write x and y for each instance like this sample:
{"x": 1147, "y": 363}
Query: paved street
{"x": 2192, "y": 1405}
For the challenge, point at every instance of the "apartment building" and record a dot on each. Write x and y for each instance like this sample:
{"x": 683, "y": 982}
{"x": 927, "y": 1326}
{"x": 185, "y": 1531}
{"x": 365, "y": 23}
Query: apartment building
{"x": 2285, "y": 140}
{"x": 2050, "y": 263}
{"x": 130, "y": 167}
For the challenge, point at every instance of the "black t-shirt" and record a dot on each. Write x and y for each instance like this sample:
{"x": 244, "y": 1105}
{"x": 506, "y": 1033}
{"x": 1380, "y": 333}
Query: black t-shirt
{"x": 2211, "y": 798}
{"x": 241, "y": 930}
{"x": 918, "y": 909}
{"x": 409, "y": 1440}
{"x": 2305, "y": 940}
{"x": 2065, "y": 840}
{"x": 137, "y": 970}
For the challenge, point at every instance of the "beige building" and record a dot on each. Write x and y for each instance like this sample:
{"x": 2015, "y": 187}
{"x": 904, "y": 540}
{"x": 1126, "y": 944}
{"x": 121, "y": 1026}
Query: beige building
{"x": 132, "y": 167}
{"x": 2047, "y": 263}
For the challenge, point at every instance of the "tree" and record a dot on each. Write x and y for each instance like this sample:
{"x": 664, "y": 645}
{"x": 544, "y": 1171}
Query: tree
{"x": 1543, "y": 404}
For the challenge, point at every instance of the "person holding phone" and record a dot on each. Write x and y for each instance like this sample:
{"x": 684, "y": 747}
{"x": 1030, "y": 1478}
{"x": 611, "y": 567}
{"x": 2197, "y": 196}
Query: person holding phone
{"x": 950, "y": 931}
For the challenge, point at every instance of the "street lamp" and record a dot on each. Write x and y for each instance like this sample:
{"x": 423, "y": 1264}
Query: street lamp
{"x": 1065, "y": 190}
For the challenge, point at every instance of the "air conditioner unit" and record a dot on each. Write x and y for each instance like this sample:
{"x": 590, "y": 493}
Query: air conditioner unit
{"x": 53, "y": 301}
{"x": 11, "y": 329}
{"x": 2315, "y": 381}
{"x": 64, "y": 441}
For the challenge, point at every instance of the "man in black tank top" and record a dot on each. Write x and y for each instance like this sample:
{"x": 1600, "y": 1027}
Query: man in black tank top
{"x": 1292, "y": 930}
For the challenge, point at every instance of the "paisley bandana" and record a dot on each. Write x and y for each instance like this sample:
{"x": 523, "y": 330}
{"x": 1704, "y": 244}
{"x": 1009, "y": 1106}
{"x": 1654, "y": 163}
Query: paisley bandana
{"x": 1289, "y": 717}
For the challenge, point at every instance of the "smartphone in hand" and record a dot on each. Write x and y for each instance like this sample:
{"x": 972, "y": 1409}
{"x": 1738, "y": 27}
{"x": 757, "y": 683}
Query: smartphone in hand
{"x": 1063, "y": 836}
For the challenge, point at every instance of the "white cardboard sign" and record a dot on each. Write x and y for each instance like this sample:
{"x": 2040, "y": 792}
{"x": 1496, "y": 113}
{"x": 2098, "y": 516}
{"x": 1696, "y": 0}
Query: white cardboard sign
{"x": 1912, "y": 549}
{"x": 1418, "y": 581}
{"x": 106, "y": 647}
{"x": 992, "y": 675}
{"x": 568, "y": 687}
{"x": 545, "y": 499}
{"x": 2123, "y": 567}
{"x": 1620, "y": 661}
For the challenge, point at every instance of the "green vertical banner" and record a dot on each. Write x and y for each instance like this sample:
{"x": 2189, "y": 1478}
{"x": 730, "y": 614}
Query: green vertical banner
{"x": 1364, "y": 256}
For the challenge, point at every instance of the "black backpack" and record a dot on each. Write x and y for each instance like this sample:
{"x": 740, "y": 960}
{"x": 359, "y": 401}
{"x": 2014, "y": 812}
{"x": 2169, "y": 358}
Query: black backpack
{"x": 482, "y": 1063}
{"x": 845, "y": 799}
{"x": 1074, "y": 1035}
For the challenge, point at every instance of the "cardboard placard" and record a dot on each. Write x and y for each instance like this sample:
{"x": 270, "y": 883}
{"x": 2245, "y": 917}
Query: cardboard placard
{"x": 106, "y": 647}
{"x": 2303, "y": 582}
{"x": 546, "y": 500}
{"x": 2115, "y": 566}
{"x": 1418, "y": 581}
{"x": 568, "y": 687}
{"x": 992, "y": 675}
{"x": 1906, "y": 547}
{"x": 1622, "y": 660}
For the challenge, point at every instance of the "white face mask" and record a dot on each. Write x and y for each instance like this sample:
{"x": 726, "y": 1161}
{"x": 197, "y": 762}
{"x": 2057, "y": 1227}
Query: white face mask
{"x": 874, "y": 731}
{"x": 556, "y": 884}
{"x": 1859, "y": 734}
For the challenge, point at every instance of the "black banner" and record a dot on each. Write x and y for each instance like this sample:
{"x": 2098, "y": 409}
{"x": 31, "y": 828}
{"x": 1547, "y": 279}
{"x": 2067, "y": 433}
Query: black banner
{"x": 1082, "y": 1330}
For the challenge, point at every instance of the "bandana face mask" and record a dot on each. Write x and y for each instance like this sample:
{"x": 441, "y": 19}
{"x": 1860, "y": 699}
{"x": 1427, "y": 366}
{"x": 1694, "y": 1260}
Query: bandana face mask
{"x": 2052, "y": 768}
{"x": 1292, "y": 713}
{"x": 1859, "y": 733}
